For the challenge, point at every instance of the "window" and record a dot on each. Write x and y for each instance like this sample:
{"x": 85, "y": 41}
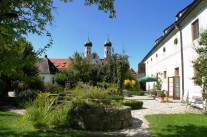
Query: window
{"x": 175, "y": 41}
{"x": 195, "y": 30}
{"x": 164, "y": 49}
{"x": 165, "y": 74}
{"x": 176, "y": 71}
{"x": 156, "y": 55}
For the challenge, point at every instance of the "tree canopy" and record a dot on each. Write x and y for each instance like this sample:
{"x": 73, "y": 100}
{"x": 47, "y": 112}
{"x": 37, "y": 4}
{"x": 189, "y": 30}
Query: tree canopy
{"x": 18, "y": 18}
{"x": 18, "y": 65}
{"x": 114, "y": 70}
{"x": 200, "y": 64}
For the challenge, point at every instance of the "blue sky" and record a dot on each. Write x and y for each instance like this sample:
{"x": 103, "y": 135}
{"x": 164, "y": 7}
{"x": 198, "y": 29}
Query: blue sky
{"x": 138, "y": 24}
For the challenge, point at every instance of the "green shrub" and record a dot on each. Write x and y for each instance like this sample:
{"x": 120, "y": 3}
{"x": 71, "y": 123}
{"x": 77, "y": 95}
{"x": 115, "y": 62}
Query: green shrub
{"x": 137, "y": 93}
{"x": 112, "y": 91}
{"x": 154, "y": 93}
{"x": 53, "y": 88}
{"x": 91, "y": 92}
{"x": 106, "y": 85}
{"x": 26, "y": 96}
{"x": 44, "y": 113}
{"x": 134, "y": 104}
{"x": 116, "y": 97}
{"x": 85, "y": 104}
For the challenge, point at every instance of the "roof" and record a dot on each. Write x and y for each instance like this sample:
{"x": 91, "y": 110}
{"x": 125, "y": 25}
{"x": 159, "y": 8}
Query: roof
{"x": 88, "y": 43}
{"x": 132, "y": 71}
{"x": 104, "y": 61}
{"x": 61, "y": 63}
{"x": 108, "y": 43}
{"x": 180, "y": 17}
{"x": 45, "y": 66}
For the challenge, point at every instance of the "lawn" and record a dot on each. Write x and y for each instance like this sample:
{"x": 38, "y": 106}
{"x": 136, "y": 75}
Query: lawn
{"x": 177, "y": 125}
{"x": 13, "y": 125}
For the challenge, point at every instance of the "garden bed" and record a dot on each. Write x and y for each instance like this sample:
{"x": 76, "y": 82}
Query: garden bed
{"x": 100, "y": 119}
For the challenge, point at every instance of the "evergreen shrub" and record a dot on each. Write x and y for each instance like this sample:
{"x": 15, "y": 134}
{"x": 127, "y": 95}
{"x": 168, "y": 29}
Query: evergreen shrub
{"x": 134, "y": 104}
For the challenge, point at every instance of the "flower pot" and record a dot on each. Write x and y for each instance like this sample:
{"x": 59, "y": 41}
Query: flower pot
{"x": 161, "y": 99}
{"x": 205, "y": 105}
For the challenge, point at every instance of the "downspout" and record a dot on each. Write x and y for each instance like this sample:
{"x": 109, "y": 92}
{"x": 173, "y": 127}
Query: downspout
{"x": 181, "y": 50}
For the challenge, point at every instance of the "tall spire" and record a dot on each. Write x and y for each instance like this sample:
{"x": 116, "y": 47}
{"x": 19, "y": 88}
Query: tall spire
{"x": 88, "y": 45}
{"x": 107, "y": 47}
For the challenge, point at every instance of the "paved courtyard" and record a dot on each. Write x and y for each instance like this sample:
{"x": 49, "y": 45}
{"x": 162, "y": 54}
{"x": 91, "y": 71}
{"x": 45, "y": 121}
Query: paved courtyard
{"x": 151, "y": 106}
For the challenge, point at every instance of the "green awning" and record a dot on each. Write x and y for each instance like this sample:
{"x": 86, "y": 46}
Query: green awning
{"x": 147, "y": 79}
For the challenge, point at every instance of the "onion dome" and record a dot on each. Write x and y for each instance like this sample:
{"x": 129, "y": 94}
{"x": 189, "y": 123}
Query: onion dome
{"x": 88, "y": 43}
{"x": 107, "y": 43}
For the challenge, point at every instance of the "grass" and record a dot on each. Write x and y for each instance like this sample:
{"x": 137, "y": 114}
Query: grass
{"x": 13, "y": 125}
{"x": 177, "y": 125}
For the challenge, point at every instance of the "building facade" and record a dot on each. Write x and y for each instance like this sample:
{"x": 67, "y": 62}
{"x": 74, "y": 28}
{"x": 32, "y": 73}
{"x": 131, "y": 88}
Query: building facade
{"x": 171, "y": 57}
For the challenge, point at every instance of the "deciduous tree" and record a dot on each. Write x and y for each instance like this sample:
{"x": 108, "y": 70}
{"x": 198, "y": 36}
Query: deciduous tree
{"x": 200, "y": 63}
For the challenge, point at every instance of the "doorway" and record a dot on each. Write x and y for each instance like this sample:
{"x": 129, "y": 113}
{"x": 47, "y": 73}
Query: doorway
{"x": 174, "y": 87}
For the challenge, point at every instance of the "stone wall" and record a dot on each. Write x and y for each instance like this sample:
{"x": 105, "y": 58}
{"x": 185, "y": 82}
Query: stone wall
{"x": 99, "y": 119}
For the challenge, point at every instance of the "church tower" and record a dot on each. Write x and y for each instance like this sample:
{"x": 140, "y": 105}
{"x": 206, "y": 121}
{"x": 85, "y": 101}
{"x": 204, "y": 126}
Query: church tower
{"x": 107, "y": 48}
{"x": 88, "y": 46}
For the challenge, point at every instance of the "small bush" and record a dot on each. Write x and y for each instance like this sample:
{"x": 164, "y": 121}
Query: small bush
{"x": 91, "y": 92}
{"x": 138, "y": 93}
{"x": 116, "y": 97}
{"x": 44, "y": 113}
{"x": 134, "y": 104}
{"x": 26, "y": 96}
{"x": 53, "y": 88}
{"x": 113, "y": 91}
{"x": 154, "y": 93}
{"x": 85, "y": 104}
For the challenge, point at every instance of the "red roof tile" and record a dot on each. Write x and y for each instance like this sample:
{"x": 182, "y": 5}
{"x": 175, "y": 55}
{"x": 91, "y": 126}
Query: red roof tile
{"x": 132, "y": 71}
{"x": 61, "y": 63}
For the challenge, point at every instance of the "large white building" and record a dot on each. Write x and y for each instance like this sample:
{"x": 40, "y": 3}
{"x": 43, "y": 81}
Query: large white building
{"x": 171, "y": 57}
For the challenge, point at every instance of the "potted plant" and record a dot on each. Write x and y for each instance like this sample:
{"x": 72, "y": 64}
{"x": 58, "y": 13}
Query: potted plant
{"x": 162, "y": 95}
{"x": 154, "y": 94}
{"x": 204, "y": 94}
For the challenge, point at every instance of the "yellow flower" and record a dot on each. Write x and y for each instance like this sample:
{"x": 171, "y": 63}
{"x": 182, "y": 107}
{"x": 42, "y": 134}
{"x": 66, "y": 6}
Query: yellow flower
{"x": 126, "y": 82}
{"x": 133, "y": 83}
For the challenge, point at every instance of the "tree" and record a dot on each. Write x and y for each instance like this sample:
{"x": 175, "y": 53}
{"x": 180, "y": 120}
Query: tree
{"x": 79, "y": 70}
{"x": 200, "y": 64}
{"x": 122, "y": 69}
{"x": 20, "y": 17}
{"x": 18, "y": 65}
